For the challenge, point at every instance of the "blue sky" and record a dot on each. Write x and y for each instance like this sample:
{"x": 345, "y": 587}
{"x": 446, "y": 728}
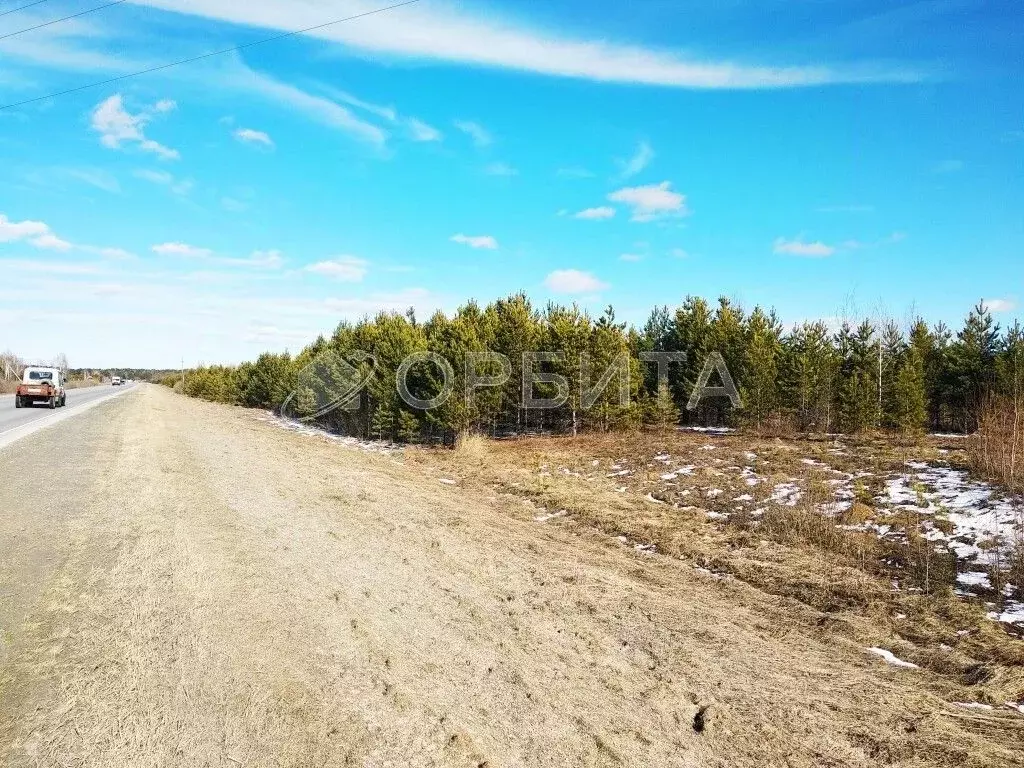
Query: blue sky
{"x": 827, "y": 158}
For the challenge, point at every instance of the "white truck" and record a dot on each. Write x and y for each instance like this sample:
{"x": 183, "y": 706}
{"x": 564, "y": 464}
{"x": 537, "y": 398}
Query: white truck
{"x": 115, "y": 381}
{"x": 41, "y": 385}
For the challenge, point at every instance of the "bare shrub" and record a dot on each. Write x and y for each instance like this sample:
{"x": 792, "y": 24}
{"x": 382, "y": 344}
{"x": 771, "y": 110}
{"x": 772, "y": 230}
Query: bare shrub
{"x": 996, "y": 450}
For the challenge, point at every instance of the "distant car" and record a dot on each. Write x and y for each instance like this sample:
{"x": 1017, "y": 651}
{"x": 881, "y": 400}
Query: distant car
{"x": 115, "y": 381}
{"x": 41, "y": 385}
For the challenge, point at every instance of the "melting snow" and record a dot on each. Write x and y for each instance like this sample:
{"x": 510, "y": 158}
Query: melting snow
{"x": 891, "y": 659}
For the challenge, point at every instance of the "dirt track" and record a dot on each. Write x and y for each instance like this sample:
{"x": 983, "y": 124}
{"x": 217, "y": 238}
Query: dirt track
{"x": 215, "y": 592}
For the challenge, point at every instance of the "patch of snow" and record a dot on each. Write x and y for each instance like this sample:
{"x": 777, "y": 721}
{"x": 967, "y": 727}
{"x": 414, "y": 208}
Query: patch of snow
{"x": 969, "y": 579}
{"x": 709, "y": 447}
{"x": 972, "y": 705}
{"x": 714, "y": 493}
{"x": 1012, "y": 613}
{"x": 787, "y": 494}
{"x": 620, "y": 473}
{"x": 651, "y": 498}
{"x": 891, "y": 659}
{"x": 744, "y": 497}
{"x": 446, "y": 481}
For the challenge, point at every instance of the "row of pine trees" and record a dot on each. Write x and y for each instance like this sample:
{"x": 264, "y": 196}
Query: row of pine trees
{"x": 810, "y": 378}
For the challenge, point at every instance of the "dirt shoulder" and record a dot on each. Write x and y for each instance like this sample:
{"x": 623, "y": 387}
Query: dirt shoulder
{"x": 234, "y": 594}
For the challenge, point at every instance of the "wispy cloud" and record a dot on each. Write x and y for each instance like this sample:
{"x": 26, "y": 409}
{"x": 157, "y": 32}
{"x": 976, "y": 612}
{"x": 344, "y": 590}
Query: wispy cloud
{"x": 651, "y": 202}
{"x": 631, "y": 257}
{"x": 481, "y": 136}
{"x": 422, "y": 131}
{"x": 573, "y": 281}
{"x": 594, "y": 214}
{"x": 449, "y": 33}
{"x": 181, "y": 249}
{"x": 345, "y": 269}
{"x": 500, "y": 169}
{"x": 999, "y": 305}
{"x": 165, "y": 179}
{"x": 118, "y": 127}
{"x": 319, "y": 108}
{"x": 486, "y": 242}
{"x": 641, "y": 159}
{"x": 800, "y": 247}
{"x": 252, "y": 136}
{"x": 96, "y": 177}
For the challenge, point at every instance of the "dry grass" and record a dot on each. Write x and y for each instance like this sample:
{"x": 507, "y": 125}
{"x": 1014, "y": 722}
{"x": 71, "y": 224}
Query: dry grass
{"x": 242, "y": 595}
{"x": 844, "y": 578}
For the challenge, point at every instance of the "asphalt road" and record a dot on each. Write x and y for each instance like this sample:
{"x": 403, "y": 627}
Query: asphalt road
{"x": 12, "y": 418}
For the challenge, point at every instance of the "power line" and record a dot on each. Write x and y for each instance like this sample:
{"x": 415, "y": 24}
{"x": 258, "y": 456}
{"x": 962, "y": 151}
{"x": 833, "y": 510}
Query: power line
{"x": 23, "y": 7}
{"x": 232, "y": 49}
{"x": 58, "y": 21}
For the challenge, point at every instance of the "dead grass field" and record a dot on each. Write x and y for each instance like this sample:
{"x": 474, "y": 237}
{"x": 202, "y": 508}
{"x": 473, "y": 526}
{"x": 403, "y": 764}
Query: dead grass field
{"x": 238, "y": 594}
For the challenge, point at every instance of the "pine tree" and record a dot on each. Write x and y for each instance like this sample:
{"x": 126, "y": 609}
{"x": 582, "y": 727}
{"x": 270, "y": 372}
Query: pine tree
{"x": 972, "y": 366}
{"x": 759, "y": 385}
{"x": 908, "y": 407}
{"x": 662, "y": 412}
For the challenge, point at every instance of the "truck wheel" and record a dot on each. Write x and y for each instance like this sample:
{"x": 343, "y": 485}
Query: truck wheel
{"x": 63, "y": 399}
{"x": 52, "y": 402}
{"x": 17, "y": 401}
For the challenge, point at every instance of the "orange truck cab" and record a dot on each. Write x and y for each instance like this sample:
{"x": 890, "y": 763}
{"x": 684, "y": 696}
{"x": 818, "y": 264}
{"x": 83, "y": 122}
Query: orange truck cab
{"x": 41, "y": 385}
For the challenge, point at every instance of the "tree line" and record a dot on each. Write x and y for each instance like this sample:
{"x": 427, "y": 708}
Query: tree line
{"x": 860, "y": 377}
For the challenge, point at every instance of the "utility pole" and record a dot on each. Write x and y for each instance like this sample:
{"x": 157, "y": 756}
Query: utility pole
{"x": 183, "y": 375}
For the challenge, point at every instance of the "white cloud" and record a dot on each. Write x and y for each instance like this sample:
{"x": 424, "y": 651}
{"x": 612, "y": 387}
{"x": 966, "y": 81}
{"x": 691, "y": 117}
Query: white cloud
{"x": 11, "y": 231}
{"x": 251, "y": 136}
{"x": 480, "y": 136}
{"x": 449, "y": 33}
{"x": 259, "y": 259}
{"x": 640, "y": 160}
{"x": 799, "y": 247}
{"x": 631, "y": 257}
{"x": 109, "y": 253}
{"x": 476, "y": 241}
{"x": 999, "y": 305}
{"x": 181, "y": 249}
{"x": 678, "y": 253}
{"x": 51, "y": 242}
{"x": 500, "y": 169}
{"x": 117, "y": 127}
{"x": 346, "y": 269}
{"x": 652, "y": 201}
{"x": 603, "y": 212}
{"x": 96, "y": 177}
{"x": 163, "y": 178}
{"x": 389, "y": 113}
{"x": 573, "y": 281}
{"x": 422, "y": 131}
{"x": 319, "y": 108}
{"x": 36, "y": 233}
{"x": 165, "y": 105}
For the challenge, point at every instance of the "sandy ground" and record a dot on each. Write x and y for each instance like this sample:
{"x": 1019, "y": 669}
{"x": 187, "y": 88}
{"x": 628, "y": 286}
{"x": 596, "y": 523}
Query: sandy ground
{"x": 197, "y": 588}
